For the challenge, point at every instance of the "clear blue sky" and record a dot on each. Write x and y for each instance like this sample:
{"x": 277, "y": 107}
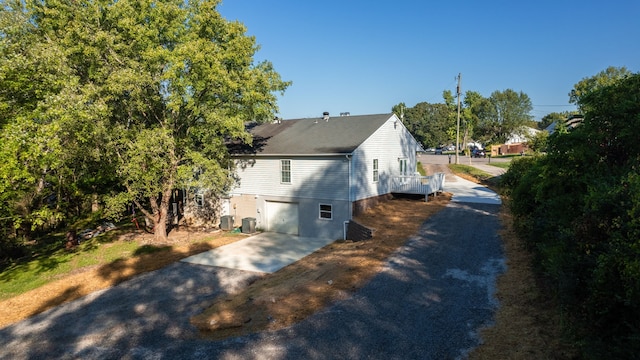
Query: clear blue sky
{"x": 366, "y": 56}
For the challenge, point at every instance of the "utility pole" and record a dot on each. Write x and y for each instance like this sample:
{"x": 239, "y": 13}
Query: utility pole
{"x": 458, "y": 125}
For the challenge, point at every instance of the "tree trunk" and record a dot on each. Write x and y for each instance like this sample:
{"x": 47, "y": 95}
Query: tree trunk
{"x": 95, "y": 205}
{"x": 160, "y": 226}
{"x": 162, "y": 209}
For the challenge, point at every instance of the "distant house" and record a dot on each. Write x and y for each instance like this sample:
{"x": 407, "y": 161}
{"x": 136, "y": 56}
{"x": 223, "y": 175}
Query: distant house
{"x": 309, "y": 176}
{"x": 516, "y": 143}
{"x": 571, "y": 123}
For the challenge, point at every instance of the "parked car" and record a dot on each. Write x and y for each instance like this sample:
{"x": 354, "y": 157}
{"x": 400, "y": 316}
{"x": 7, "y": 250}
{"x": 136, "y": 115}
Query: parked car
{"x": 438, "y": 151}
{"x": 478, "y": 153}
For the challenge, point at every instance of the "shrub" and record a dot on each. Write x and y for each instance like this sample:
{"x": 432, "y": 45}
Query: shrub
{"x": 578, "y": 208}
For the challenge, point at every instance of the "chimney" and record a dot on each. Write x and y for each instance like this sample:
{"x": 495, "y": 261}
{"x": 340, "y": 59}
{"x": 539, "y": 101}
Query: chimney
{"x": 325, "y": 116}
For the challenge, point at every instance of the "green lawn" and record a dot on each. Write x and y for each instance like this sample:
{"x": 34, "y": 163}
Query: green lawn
{"x": 470, "y": 170}
{"x": 492, "y": 181}
{"x": 52, "y": 261}
{"x": 421, "y": 169}
{"x": 503, "y": 165}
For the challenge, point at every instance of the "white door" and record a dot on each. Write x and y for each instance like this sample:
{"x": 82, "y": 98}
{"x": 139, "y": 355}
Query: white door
{"x": 282, "y": 217}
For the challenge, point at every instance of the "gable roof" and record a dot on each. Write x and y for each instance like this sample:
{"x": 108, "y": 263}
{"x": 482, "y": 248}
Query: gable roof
{"x": 314, "y": 136}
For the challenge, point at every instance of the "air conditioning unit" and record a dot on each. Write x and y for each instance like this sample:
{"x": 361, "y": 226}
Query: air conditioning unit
{"x": 226, "y": 222}
{"x": 249, "y": 225}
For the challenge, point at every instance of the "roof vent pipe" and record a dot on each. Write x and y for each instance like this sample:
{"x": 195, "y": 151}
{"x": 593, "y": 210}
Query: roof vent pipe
{"x": 325, "y": 116}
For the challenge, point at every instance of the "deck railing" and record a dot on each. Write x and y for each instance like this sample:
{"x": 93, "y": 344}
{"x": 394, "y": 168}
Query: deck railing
{"x": 411, "y": 184}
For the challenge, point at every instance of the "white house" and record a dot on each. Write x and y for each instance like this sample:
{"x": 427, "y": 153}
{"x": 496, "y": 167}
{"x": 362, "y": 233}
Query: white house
{"x": 309, "y": 176}
{"x": 522, "y": 136}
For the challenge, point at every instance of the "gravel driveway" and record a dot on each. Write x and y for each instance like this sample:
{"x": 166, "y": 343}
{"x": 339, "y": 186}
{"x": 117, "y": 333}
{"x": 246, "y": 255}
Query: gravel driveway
{"x": 428, "y": 303}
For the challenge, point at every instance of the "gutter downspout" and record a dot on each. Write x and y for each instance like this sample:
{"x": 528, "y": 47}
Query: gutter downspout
{"x": 350, "y": 204}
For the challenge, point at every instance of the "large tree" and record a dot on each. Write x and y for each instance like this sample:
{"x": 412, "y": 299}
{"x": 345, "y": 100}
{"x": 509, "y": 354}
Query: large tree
{"x": 153, "y": 87}
{"x": 604, "y": 78}
{"x": 429, "y": 123}
{"x": 474, "y": 108}
{"x": 40, "y": 152}
{"x": 506, "y": 113}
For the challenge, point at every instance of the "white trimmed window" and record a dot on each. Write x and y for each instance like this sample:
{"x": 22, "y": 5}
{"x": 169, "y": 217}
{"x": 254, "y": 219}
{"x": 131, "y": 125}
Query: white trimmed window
{"x": 285, "y": 171}
{"x": 326, "y": 211}
{"x": 403, "y": 166}
{"x": 376, "y": 175}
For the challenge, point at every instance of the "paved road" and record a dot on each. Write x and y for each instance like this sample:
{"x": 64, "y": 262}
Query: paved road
{"x": 483, "y": 164}
{"x": 428, "y": 303}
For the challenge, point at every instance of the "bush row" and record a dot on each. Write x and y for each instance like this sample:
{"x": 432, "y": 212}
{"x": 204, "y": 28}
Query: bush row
{"x": 578, "y": 209}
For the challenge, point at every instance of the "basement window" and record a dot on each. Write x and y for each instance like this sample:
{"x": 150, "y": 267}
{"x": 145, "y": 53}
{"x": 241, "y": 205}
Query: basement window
{"x": 326, "y": 211}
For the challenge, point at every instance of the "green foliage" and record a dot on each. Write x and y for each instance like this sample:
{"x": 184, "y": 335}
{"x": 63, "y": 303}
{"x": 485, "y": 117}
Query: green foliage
{"x": 53, "y": 261}
{"x": 578, "y": 208}
{"x": 429, "y": 123}
{"x": 505, "y": 113}
{"x": 538, "y": 142}
{"x": 487, "y": 120}
{"x": 557, "y": 117}
{"x": 471, "y": 171}
{"x": 606, "y": 77}
{"x": 121, "y": 102}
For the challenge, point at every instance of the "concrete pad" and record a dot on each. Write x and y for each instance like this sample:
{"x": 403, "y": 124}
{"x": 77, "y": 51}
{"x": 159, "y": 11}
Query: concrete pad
{"x": 265, "y": 252}
{"x": 470, "y": 192}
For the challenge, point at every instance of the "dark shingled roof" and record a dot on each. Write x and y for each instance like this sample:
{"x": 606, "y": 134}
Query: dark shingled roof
{"x": 314, "y": 136}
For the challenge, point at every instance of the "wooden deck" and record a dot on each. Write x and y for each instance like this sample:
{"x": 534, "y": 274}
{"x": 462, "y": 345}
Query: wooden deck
{"x": 424, "y": 185}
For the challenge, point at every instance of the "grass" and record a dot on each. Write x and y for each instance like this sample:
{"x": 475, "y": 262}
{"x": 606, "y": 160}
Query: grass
{"x": 503, "y": 165}
{"x": 467, "y": 170}
{"x": 51, "y": 262}
{"x": 97, "y": 264}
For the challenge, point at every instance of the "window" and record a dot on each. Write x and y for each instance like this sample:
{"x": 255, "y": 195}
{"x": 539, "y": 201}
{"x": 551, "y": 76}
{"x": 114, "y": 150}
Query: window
{"x": 375, "y": 170}
{"x": 285, "y": 171}
{"x": 403, "y": 166}
{"x": 326, "y": 211}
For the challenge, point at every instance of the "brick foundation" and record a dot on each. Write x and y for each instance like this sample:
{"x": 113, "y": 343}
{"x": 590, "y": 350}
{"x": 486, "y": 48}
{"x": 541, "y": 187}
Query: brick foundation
{"x": 361, "y": 206}
{"x": 358, "y": 232}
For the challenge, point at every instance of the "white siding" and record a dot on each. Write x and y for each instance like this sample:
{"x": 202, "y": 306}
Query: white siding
{"x": 388, "y": 144}
{"x": 311, "y": 177}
